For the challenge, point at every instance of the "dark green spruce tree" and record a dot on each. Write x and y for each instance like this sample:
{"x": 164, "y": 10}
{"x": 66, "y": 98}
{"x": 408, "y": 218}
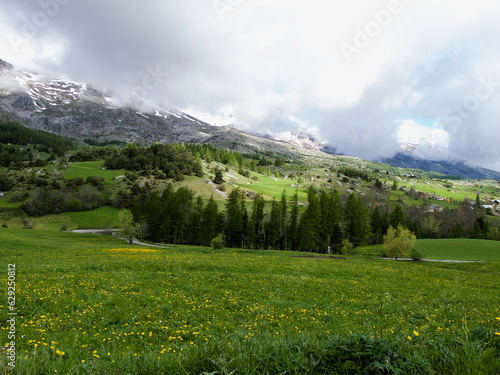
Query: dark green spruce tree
{"x": 256, "y": 230}
{"x": 356, "y": 220}
{"x": 310, "y": 223}
{"x": 235, "y": 224}
{"x": 292, "y": 228}
{"x": 209, "y": 222}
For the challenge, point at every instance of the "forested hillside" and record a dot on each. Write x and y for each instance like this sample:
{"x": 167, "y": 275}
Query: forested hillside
{"x": 193, "y": 194}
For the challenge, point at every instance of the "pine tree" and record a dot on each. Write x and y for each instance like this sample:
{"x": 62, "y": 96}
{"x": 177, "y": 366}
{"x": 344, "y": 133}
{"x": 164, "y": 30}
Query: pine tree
{"x": 219, "y": 177}
{"x": 397, "y": 217}
{"x": 194, "y": 233}
{"x": 257, "y": 222}
{"x": 209, "y": 222}
{"x": 309, "y": 222}
{"x": 377, "y": 225}
{"x": 355, "y": 217}
{"x": 292, "y": 227}
{"x": 283, "y": 208}
{"x": 154, "y": 215}
{"x": 235, "y": 211}
{"x": 272, "y": 226}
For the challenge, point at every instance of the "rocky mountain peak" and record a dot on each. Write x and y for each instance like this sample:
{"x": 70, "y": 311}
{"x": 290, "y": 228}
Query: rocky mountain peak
{"x": 4, "y": 66}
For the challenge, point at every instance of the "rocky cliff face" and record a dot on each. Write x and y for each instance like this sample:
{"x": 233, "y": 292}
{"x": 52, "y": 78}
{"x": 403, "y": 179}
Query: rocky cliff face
{"x": 80, "y": 111}
{"x": 4, "y": 66}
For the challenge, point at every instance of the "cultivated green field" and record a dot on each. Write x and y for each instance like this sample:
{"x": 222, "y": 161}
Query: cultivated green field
{"x": 448, "y": 249}
{"x": 460, "y": 249}
{"x": 92, "y": 304}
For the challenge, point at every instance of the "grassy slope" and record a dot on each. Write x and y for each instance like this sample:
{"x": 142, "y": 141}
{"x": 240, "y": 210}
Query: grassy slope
{"x": 91, "y": 168}
{"x": 131, "y": 309}
{"x": 460, "y": 249}
{"x": 268, "y": 186}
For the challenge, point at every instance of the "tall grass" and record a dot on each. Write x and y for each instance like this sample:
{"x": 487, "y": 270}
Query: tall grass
{"x": 92, "y": 304}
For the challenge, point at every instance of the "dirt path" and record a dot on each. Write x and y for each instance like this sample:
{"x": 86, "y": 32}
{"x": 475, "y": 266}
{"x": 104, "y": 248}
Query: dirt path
{"x": 435, "y": 260}
{"x": 102, "y": 231}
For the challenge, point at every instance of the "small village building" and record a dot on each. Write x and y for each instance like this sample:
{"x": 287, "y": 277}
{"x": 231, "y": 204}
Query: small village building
{"x": 436, "y": 208}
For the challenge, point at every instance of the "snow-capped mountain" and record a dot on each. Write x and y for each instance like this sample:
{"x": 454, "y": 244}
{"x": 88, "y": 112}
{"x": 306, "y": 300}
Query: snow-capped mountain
{"x": 426, "y": 157}
{"x": 80, "y": 111}
{"x": 302, "y": 139}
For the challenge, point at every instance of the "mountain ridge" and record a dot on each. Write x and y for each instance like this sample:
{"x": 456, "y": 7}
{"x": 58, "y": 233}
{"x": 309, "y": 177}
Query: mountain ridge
{"x": 80, "y": 111}
{"x": 452, "y": 168}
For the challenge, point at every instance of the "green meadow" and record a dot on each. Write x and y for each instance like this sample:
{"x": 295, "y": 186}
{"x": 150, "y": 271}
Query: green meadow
{"x": 448, "y": 249}
{"x": 90, "y": 168}
{"x": 93, "y": 304}
{"x": 460, "y": 249}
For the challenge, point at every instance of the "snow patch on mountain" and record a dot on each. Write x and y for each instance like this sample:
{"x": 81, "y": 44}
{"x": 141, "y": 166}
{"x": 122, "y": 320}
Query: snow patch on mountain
{"x": 302, "y": 139}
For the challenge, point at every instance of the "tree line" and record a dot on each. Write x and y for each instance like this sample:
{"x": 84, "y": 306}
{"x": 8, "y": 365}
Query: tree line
{"x": 77, "y": 195}
{"x": 324, "y": 224}
{"x": 329, "y": 222}
{"x": 16, "y": 134}
{"x": 174, "y": 160}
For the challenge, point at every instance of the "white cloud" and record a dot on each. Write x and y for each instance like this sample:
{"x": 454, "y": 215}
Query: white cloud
{"x": 418, "y": 64}
{"x": 411, "y": 132}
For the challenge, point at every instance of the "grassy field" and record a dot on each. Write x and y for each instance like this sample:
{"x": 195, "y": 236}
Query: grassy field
{"x": 460, "y": 249}
{"x": 94, "y": 219}
{"x": 449, "y": 249}
{"x": 92, "y": 304}
{"x": 90, "y": 168}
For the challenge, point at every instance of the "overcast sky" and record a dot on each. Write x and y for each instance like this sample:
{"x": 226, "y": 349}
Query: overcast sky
{"x": 363, "y": 75}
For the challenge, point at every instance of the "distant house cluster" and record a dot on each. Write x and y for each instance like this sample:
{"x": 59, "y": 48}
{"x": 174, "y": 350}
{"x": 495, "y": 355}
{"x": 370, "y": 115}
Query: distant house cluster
{"x": 495, "y": 205}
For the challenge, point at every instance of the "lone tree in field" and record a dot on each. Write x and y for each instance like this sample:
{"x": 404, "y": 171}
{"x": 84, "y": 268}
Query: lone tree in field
{"x": 129, "y": 228}
{"x": 219, "y": 178}
{"x": 398, "y": 242}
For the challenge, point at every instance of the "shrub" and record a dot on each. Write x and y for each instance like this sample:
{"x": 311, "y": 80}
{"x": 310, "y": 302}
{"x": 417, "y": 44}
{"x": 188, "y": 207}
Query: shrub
{"x": 347, "y": 248}
{"x": 218, "y": 242}
{"x": 27, "y": 224}
{"x": 416, "y": 254}
{"x": 361, "y": 354}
